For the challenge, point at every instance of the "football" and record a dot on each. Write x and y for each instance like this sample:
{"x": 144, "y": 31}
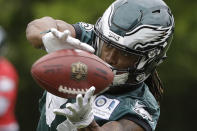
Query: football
{"x": 68, "y": 72}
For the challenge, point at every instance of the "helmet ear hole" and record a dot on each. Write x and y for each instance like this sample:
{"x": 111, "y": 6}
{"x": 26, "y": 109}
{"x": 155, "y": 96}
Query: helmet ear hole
{"x": 140, "y": 77}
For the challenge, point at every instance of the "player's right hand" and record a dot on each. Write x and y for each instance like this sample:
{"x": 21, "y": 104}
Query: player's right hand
{"x": 55, "y": 40}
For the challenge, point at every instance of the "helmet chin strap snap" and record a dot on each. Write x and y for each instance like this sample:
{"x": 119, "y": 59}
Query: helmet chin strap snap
{"x": 140, "y": 77}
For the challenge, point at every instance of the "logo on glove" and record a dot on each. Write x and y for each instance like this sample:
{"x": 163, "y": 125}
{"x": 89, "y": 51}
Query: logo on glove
{"x": 79, "y": 71}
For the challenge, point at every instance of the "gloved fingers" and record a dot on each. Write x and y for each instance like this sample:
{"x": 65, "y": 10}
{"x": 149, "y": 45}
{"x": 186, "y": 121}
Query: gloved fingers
{"x": 89, "y": 94}
{"x": 69, "y": 113}
{"x": 92, "y": 99}
{"x": 87, "y": 47}
{"x": 55, "y": 32}
{"x": 79, "y": 100}
{"x": 72, "y": 108}
{"x": 65, "y": 35}
{"x": 62, "y": 112}
{"x": 80, "y": 45}
{"x": 60, "y": 35}
{"x": 73, "y": 41}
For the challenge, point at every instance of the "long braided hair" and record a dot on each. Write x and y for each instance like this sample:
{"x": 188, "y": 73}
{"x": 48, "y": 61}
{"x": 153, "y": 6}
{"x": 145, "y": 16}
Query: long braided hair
{"x": 155, "y": 85}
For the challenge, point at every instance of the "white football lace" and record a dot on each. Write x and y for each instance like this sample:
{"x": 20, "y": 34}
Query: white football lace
{"x": 67, "y": 90}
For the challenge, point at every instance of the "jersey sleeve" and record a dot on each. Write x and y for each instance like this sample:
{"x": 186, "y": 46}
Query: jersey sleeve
{"x": 84, "y": 32}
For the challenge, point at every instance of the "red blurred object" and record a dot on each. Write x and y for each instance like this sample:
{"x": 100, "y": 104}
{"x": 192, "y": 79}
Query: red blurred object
{"x": 66, "y": 73}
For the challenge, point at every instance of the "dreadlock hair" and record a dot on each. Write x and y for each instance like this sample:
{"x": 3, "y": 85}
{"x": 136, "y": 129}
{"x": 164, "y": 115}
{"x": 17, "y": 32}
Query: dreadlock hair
{"x": 155, "y": 85}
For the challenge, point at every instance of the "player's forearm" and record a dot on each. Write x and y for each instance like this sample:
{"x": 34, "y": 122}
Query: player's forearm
{"x": 115, "y": 126}
{"x": 34, "y": 29}
{"x": 92, "y": 127}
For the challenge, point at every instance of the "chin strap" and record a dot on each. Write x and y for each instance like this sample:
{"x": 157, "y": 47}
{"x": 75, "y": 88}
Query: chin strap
{"x": 120, "y": 75}
{"x": 120, "y": 79}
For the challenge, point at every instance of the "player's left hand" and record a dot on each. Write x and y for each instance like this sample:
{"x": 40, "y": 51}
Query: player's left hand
{"x": 80, "y": 113}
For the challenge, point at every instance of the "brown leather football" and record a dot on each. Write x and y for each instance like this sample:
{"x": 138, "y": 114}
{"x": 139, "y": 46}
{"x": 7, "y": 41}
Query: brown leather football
{"x": 66, "y": 73}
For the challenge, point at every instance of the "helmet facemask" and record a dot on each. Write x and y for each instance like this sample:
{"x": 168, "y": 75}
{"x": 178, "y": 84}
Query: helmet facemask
{"x": 121, "y": 76}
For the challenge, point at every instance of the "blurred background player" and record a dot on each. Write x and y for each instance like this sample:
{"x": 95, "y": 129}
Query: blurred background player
{"x": 8, "y": 90}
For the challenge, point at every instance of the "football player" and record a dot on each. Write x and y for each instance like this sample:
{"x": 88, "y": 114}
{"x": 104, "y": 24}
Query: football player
{"x": 133, "y": 37}
{"x": 8, "y": 90}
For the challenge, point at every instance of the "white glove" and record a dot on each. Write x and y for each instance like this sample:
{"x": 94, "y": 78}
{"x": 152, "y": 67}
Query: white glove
{"x": 79, "y": 114}
{"x": 55, "y": 40}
